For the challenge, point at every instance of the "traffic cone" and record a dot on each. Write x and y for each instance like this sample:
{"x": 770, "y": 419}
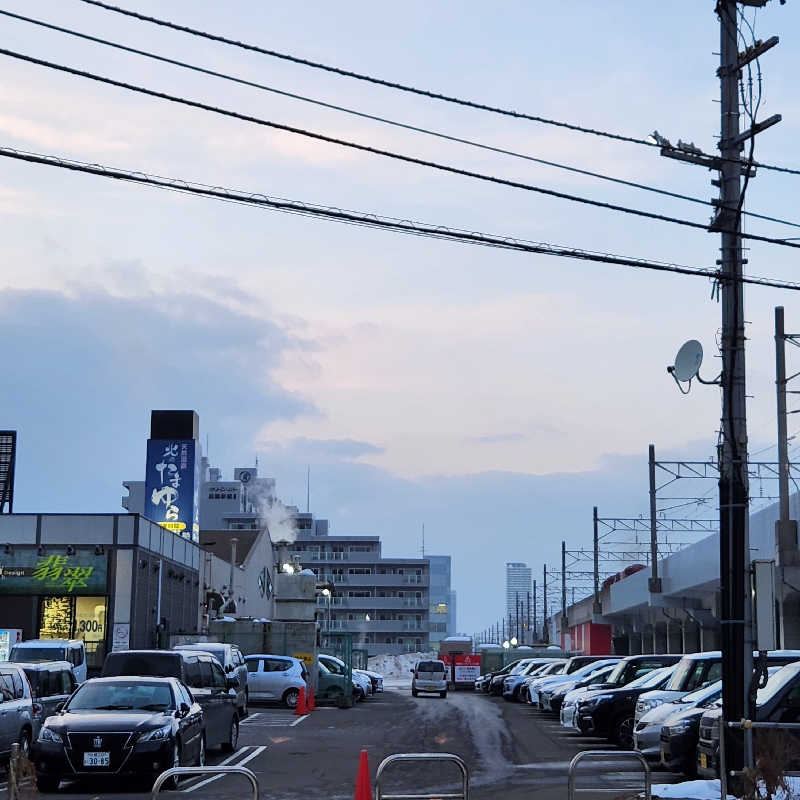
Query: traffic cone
{"x": 312, "y": 704}
{"x": 363, "y": 785}
{"x": 301, "y": 710}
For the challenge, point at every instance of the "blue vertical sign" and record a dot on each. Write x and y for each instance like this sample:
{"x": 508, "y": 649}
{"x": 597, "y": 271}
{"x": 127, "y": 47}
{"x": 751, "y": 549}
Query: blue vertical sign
{"x": 172, "y": 486}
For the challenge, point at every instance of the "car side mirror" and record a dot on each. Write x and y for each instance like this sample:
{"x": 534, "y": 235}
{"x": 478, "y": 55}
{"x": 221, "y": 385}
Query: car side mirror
{"x": 60, "y": 707}
{"x": 411, "y": 670}
{"x": 232, "y": 682}
{"x": 183, "y": 709}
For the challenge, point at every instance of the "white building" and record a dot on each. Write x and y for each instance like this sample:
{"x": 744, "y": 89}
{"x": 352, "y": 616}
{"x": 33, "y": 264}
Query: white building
{"x": 519, "y": 580}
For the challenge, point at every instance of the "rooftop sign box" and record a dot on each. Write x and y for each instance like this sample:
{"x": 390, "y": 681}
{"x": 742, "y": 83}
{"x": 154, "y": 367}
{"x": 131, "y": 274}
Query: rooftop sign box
{"x": 56, "y": 571}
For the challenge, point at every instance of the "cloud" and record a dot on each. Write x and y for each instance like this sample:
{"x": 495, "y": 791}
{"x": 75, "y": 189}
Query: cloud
{"x": 82, "y": 373}
{"x": 324, "y": 449}
{"x": 497, "y": 438}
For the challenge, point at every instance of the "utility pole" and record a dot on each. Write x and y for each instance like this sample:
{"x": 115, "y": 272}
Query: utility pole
{"x": 545, "y": 634}
{"x": 737, "y": 632}
{"x": 654, "y": 584}
{"x": 528, "y": 626}
{"x": 534, "y": 610}
{"x": 516, "y": 609}
{"x": 597, "y": 607}
{"x": 564, "y": 626}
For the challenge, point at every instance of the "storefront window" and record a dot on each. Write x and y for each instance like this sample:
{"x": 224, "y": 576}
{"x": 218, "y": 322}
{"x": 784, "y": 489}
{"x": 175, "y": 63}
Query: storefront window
{"x": 77, "y": 618}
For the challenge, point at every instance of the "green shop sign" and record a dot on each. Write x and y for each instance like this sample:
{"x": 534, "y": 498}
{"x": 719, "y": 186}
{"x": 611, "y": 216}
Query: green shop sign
{"x": 54, "y": 572}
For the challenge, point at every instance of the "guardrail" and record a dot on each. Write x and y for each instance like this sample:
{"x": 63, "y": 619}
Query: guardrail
{"x": 744, "y": 724}
{"x": 449, "y": 757}
{"x": 221, "y": 770}
{"x": 586, "y": 755}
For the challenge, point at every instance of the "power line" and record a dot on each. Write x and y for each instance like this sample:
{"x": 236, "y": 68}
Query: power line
{"x": 402, "y": 87}
{"x": 363, "y": 77}
{"x": 375, "y": 117}
{"x": 374, "y": 150}
{"x": 374, "y": 220}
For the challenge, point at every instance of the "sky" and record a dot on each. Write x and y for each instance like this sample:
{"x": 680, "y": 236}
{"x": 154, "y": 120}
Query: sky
{"x": 494, "y": 397}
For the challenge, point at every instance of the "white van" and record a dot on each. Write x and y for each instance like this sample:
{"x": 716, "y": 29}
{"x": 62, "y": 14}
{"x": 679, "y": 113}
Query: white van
{"x": 34, "y": 651}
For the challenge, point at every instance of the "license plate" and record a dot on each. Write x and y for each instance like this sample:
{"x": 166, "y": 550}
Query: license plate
{"x": 97, "y": 759}
{"x": 703, "y": 761}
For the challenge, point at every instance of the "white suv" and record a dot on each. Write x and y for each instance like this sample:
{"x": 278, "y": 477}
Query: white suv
{"x": 429, "y": 676}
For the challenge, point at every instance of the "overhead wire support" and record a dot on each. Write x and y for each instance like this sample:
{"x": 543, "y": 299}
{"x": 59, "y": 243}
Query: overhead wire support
{"x": 374, "y": 150}
{"x": 370, "y": 220}
{"x": 375, "y": 117}
{"x": 394, "y": 84}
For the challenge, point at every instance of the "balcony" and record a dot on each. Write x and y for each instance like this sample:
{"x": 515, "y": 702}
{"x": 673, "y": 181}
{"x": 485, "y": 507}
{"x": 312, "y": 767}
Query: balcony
{"x": 369, "y": 603}
{"x": 378, "y": 580}
{"x": 376, "y": 626}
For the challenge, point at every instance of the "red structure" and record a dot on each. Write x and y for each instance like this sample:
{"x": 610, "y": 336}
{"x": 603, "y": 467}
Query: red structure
{"x": 589, "y": 638}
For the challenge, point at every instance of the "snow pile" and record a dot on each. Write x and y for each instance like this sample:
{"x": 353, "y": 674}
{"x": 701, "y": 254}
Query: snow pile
{"x": 689, "y": 790}
{"x": 398, "y": 666}
{"x": 710, "y": 790}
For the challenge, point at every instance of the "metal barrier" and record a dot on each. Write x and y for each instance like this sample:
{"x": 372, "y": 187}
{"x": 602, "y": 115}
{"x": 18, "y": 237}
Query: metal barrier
{"x": 221, "y": 770}
{"x": 453, "y": 759}
{"x": 745, "y": 725}
{"x": 631, "y": 755}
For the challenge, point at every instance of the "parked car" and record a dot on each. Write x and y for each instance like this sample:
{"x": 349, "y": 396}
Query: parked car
{"x": 700, "y": 669}
{"x": 33, "y": 650}
{"x": 498, "y": 679}
{"x": 16, "y": 710}
{"x": 362, "y": 684}
{"x": 201, "y": 672}
{"x": 376, "y": 678}
{"x": 555, "y": 667}
{"x": 113, "y": 726}
{"x": 331, "y": 683}
{"x": 778, "y": 701}
{"x": 52, "y": 682}
{"x": 609, "y": 712}
{"x": 574, "y": 695}
{"x": 551, "y": 693}
{"x": 512, "y": 684}
{"x": 647, "y": 732}
{"x": 484, "y": 681}
{"x": 679, "y": 737}
{"x": 278, "y": 678}
{"x": 232, "y": 662}
{"x": 572, "y": 666}
{"x": 429, "y": 676}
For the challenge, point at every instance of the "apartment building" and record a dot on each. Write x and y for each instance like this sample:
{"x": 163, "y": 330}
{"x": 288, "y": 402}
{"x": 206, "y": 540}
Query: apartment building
{"x": 382, "y": 602}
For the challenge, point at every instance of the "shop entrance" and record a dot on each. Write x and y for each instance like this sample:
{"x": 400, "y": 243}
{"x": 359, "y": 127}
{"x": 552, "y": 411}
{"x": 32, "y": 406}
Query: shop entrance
{"x": 69, "y": 617}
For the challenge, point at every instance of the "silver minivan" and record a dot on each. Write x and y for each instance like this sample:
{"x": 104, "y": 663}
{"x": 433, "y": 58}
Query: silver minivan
{"x": 429, "y": 676}
{"x": 16, "y": 711}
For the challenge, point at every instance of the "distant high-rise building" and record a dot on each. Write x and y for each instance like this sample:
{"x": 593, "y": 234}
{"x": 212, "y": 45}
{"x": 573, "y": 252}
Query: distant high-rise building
{"x": 442, "y": 610}
{"x": 519, "y": 580}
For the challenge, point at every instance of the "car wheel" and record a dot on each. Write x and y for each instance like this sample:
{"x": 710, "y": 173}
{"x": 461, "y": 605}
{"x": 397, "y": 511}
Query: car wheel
{"x": 172, "y": 782}
{"x": 233, "y": 736}
{"x": 201, "y": 756}
{"x": 414, "y": 693}
{"x": 623, "y": 733}
{"x": 290, "y": 698}
{"x": 442, "y": 694}
{"x": 25, "y": 743}
{"x": 48, "y": 783}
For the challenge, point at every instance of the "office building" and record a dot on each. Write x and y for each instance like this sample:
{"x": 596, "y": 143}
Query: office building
{"x": 519, "y": 583}
{"x": 442, "y": 613}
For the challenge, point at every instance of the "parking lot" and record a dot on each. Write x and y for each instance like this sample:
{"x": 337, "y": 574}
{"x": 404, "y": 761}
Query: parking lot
{"x": 510, "y": 748}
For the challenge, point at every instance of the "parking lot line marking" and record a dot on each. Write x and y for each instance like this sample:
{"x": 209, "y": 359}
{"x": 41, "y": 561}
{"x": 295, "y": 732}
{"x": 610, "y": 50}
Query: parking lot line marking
{"x": 298, "y": 720}
{"x": 250, "y": 718}
{"x": 222, "y": 763}
{"x": 250, "y": 756}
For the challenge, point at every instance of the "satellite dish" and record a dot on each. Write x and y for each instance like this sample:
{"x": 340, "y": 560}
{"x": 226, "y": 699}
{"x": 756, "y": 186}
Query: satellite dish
{"x": 688, "y": 361}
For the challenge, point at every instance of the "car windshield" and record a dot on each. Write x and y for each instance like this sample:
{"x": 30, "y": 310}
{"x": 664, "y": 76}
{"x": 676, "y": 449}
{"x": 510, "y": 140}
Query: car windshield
{"x": 601, "y": 676}
{"x": 333, "y": 666}
{"x": 776, "y": 682}
{"x": 22, "y": 653}
{"x": 649, "y": 679}
{"x": 587, "y": 669}
{"x": 122, "y": 696}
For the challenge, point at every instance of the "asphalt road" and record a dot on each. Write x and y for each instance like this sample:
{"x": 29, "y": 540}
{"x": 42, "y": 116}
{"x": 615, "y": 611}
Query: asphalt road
{"x": 511, "y": 751}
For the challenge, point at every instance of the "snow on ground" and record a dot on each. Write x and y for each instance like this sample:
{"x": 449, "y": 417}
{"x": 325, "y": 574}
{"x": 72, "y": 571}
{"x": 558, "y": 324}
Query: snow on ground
{"x": 398, "y": 666}
{"x": 710, "y": 790}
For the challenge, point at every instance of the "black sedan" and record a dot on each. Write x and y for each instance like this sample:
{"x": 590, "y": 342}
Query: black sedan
{"x": 610, "y": 712}
{"x": 679, "y": 735}
{"x": 120, "y": 726}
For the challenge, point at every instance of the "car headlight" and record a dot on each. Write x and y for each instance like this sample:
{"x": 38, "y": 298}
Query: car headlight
{"x": 49, "y": 735}
{"x": 679, "y": 728}
{"x": 159, "y": 734}
{"x": 593, "y": 701}
{"x": 645, "y": 705}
